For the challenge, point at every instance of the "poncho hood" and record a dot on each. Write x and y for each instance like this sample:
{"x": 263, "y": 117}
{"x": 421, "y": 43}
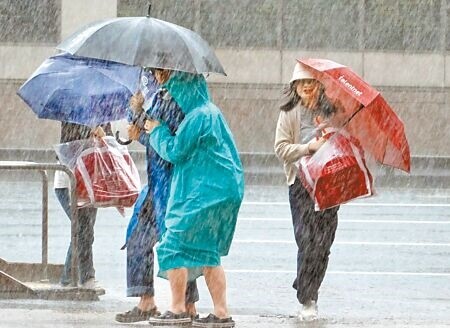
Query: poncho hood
{"x": 190, "y": 91}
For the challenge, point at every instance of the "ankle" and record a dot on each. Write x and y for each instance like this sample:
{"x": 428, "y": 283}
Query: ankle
{"x": 221, "y": 313}
{"x": 177, "y": 309}
{"x": 309, "y": 303}
{"x": 146, "y": 303}
{"x": 190, "y": 308}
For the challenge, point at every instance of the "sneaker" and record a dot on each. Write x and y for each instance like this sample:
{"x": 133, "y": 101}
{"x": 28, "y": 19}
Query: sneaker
{"x": 309, "y": 311}
{"x": 169, "y": 318}
{"x": 136, "y": 315}
{"x": 212, "y": 321}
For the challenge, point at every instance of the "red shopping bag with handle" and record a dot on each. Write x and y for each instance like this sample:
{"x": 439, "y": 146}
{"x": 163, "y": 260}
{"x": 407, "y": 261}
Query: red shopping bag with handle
{"x": 106, "y": 175}
{"x": 336, "y": 173}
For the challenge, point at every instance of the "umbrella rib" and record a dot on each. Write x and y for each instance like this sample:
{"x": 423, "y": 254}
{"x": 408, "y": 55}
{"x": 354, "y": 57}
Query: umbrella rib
{"x": 188, "y": 48}
{"x": 138, "y": 44}
{"x": 360, "y": 108}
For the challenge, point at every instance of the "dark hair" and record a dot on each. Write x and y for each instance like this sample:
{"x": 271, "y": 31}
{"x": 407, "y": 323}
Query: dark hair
{"x": 324, "y": 106}
{"x": 291, "y": 97}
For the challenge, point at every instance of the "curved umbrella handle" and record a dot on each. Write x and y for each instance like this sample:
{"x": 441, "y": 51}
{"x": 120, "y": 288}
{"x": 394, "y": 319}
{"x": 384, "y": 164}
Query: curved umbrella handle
{"x": 122, "y": 142}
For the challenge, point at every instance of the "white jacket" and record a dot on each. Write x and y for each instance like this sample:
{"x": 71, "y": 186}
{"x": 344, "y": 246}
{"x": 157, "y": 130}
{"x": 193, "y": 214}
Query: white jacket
{"x": 287, "y": 142}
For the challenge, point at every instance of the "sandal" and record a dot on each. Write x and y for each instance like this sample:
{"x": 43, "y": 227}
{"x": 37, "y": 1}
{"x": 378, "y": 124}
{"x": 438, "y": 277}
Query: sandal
{"x": 169, "y": 318}
{"x": 136, "y": 315}
{"x": 212, "y": 321}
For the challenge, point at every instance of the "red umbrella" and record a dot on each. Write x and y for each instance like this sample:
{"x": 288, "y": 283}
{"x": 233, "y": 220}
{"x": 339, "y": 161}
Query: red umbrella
{"x": 368, "y": 117}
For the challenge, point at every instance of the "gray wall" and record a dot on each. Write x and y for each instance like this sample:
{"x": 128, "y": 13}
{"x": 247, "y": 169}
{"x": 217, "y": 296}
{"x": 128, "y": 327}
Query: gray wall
{"x": 402, "y": 47}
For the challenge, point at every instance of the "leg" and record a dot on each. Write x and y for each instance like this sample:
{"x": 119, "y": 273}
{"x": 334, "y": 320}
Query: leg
{"x": 86, "y": 222}
{"x": 216, "y": 282}
{"x": 140, "y": 265}
{"x": 140, "y": 261}
{"x": 62, "y": 194}
{"x": 191, "y": 298}
{"x": 314, "y": 234}
{"x": 178, "y": 281}
{"x": 298, "y": 199}
{"x": 140, "y": 257}
{"x": 326, "y": 225}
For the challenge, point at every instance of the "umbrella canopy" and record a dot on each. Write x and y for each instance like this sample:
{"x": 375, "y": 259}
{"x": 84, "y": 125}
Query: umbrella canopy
{"x": 369, "y": 117}
{"x": 80, "y": 90}
{"x": 144, "y": 41}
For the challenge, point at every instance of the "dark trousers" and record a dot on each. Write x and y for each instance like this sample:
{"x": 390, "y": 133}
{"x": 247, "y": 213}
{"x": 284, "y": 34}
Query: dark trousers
{"x": 141, "y": 258}
{"x": 314, "y": 234}
{"x": 86, "y": 221}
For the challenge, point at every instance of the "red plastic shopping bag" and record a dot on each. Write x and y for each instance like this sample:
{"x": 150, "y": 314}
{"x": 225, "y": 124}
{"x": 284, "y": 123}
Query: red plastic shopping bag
{"x": 337, "y": 173}
{"x": 106, "y": 175}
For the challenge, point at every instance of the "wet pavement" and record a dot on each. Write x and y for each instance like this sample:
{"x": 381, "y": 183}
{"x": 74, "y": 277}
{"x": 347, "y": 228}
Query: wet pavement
{"x": 389, "y": 266}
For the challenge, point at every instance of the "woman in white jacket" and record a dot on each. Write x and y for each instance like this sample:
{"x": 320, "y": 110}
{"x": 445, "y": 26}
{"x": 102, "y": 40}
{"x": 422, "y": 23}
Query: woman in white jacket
{"x": 296, "y": 136}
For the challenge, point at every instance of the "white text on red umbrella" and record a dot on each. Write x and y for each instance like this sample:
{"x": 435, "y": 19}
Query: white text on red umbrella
{"x": 349, "y": 85}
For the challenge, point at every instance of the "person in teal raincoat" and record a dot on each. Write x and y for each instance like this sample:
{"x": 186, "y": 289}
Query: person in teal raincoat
{"x": 206, "y": 193}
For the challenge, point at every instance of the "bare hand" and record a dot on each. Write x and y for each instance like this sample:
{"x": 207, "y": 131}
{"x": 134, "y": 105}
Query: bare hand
{"x": 133, "y": 132}
{"x": 98, "y": 132}
{"x": 315, "y": 145}
{"x": 137, "y": 101}
{"x": 150, "y": 125}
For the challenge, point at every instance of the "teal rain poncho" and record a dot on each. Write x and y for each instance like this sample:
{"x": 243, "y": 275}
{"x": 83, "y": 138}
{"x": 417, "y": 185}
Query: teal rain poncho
{"x": 207, "y": 183}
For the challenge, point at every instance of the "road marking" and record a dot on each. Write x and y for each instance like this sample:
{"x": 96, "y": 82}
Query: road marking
{"x": 366, "y": 273}
{"x": 365, "y": 243}
{"x": 354, "y": 204}
{"x": 352, "y": 221}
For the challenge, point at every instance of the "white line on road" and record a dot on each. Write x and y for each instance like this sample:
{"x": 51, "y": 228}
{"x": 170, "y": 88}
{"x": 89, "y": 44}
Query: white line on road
{"x": 353, "y": 221}
{"x": 354, "y": 204}
{"x": 367, "y": 273}
{"x": 365, "y": 243}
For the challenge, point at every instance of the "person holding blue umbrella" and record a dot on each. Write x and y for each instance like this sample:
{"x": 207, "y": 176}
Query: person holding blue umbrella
{"x": 84, "y": 94}
{"x": 86, "y": 215}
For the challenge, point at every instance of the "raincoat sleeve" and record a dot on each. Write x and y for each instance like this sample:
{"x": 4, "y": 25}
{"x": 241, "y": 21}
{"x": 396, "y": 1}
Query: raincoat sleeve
{"x": 287, "y": 136}
{"x": 176, "y": 148}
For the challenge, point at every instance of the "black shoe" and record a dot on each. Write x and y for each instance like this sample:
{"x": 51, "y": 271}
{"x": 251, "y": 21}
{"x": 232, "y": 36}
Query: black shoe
{"x": 212, "y": 321}
{"x": 137, "y": 315}
{"x": 169, "y": 318}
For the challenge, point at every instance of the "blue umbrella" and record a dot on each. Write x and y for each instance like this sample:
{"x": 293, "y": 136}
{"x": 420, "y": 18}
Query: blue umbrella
{"x": 80, "y": 90}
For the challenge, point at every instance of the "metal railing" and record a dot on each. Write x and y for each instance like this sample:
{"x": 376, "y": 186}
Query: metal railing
{"x": 43, "y": 168}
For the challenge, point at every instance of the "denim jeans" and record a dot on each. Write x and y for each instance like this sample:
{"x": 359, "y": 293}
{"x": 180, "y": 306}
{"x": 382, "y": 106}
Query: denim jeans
{"x": 314, "y": 234}
{"x": 86, "y": 221}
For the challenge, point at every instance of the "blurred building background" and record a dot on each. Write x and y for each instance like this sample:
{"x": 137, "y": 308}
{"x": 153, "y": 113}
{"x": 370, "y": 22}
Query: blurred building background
{"x": 400, "y": 46}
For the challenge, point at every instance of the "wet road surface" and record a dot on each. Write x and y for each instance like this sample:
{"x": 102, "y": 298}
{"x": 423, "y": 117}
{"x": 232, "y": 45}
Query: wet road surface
{"x": 389, "y": 265}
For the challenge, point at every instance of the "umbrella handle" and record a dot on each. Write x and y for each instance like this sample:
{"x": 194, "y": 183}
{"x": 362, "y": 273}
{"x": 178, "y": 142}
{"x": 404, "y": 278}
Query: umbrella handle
{"x": 121, "y": 141}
